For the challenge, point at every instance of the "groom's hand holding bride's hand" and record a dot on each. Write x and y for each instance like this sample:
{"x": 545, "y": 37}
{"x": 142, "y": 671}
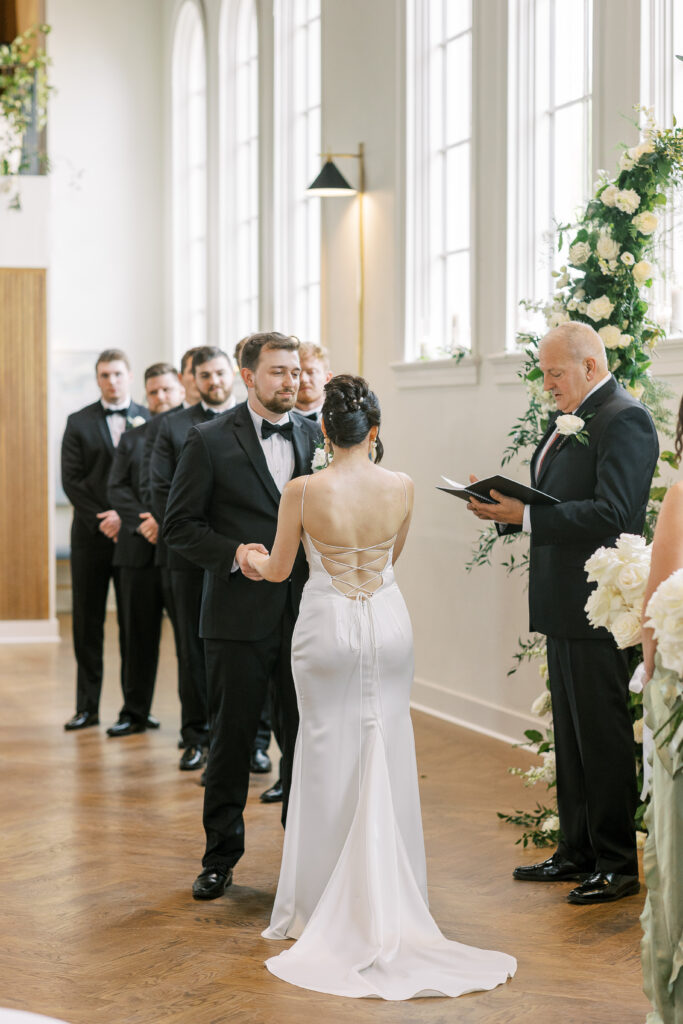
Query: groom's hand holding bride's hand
{"x": 242, "y": 558}
{"x": 506, "y": 510}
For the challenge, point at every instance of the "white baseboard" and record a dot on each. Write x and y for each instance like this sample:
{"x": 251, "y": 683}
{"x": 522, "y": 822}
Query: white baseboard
{"x": 463, "y": 709}
{"x": 29, "y": 631}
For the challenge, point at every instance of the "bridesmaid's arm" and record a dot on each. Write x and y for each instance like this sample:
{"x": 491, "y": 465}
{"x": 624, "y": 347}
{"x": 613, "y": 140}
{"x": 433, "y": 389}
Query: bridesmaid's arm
{"x": 667, "y": 557}
{"x": 277, "y": 566}
{"x": 405, "y": 525}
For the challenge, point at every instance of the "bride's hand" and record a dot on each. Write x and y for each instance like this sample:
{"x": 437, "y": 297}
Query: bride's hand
{"x": 243, "y": 557}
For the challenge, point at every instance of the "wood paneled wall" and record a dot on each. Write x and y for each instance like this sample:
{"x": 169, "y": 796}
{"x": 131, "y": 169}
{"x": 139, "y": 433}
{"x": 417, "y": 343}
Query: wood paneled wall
{"x": 24, "y": 510}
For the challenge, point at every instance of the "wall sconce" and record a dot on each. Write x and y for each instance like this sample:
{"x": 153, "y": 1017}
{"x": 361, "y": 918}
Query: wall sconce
{"x": 331, "y": 183}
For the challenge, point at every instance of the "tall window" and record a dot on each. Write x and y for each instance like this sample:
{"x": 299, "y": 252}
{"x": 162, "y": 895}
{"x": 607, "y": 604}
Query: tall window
{"x": 549, "y": 133}
{"x": 240, "y": 172}
{"x": 439, "y": 154}
{"x": 189, "y": 182}
{"x": 297, "y": 148}
{"x": 662, "y": 88}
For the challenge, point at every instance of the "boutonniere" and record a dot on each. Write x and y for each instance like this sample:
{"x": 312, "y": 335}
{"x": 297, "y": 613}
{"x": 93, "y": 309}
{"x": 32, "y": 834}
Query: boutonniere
{"x": 569, "y": 426}
{"x": 321, "y": 459}
{"x": 134, "y": 421}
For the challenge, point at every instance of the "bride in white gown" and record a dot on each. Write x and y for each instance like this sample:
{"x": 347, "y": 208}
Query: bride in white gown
{"x": 353, "y": 887}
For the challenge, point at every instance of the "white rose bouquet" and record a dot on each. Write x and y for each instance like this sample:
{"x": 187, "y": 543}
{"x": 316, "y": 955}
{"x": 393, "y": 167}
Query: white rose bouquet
{"x": 665, "y": 618}
{"x": 621, "y": 574}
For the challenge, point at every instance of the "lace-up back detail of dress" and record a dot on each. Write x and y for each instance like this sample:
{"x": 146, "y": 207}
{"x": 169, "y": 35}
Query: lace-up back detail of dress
{"x": 356, "y": 573}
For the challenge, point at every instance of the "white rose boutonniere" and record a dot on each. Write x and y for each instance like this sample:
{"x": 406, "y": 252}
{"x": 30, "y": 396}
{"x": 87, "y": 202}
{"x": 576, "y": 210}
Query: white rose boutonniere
{"x": 572, "y": 426}
{"x": 320, "y": 458}
{"x": 134, "y": 421}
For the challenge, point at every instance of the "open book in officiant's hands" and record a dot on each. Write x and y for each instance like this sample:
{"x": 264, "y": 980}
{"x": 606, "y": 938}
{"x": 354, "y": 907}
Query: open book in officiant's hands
{"x": 481, "y": 490}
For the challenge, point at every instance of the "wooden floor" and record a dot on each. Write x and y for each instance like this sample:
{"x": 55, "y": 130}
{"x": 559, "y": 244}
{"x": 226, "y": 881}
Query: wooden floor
{"x": 101, "y": 839}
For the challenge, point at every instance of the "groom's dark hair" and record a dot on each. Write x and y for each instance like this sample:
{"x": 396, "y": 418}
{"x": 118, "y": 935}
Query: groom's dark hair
{"x": 256, "y": 343}
{"x": 350, "y": 411}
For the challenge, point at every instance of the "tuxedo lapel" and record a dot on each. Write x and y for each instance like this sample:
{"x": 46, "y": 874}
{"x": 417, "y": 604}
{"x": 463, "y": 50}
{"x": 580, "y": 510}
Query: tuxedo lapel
{"x": 302, "y": 453}
{"x": 249, "y": 442}
{"x": 103, "y": 427}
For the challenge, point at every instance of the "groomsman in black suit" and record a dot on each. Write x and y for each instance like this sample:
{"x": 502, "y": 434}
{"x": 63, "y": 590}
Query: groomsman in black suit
{"x": 226, "y": 491}
{"x": 603, "y": 487}
{"x": 142, "y": 596}
{"x": 90, "y": 439}
{"x": 315, "y": 373}
{"x": 213, "y": 377}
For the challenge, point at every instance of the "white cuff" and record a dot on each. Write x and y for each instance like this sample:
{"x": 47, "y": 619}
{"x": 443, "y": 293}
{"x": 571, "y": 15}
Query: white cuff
{"x": 526, "y": 521}
{"x": 235, "y": 566}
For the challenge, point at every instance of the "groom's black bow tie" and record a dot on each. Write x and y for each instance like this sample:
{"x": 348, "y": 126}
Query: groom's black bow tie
{"x": 117, "y": 412}
{"x": 285, "y": 429}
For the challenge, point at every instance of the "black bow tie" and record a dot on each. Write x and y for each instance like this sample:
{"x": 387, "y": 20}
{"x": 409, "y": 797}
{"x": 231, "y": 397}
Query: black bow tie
{"x": 285, "y": 429}
{"x": 117, "y": 412}
{"x": 211, "y": 414}
{"x": 310, "y": 416}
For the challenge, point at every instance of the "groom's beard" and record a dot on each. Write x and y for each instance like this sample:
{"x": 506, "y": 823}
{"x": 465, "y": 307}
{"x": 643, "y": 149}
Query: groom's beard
{"x": 282, "y": 401}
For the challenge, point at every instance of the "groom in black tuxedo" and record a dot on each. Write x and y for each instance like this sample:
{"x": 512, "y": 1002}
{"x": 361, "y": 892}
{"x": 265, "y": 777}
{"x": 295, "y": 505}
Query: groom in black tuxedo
{"x": 603, "y": 487}
{"x": 90, "y": 438}
{"x": 225, "y": 492}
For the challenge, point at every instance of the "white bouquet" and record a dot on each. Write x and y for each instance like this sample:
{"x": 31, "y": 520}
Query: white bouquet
{"x": 665, "y": 617}
{"x": 621, "y": 574}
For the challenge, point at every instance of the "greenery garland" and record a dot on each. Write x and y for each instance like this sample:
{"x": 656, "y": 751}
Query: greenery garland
{"x": 610, "y": 263}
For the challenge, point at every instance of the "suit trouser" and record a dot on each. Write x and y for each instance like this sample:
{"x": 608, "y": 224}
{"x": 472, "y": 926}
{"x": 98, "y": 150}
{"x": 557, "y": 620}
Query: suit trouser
{"x": 186, "y": 589}
{"x": 91, "y": 571}
{"x": 141, "y": 610}
{"x": 594, "y": 747}
{"x": 239, "y": 675}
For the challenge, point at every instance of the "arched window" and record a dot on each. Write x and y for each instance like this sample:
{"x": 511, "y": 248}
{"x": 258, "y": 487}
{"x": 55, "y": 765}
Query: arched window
{"x": 189, "y": 179}
{"x": 297, "y": 145}
{"x": 550, "y": 56}
{"x": 439, "y": 153}
{"x": 240, "y": 171}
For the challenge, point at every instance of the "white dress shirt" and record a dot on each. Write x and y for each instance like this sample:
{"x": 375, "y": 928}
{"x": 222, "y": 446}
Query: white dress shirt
{"x": 526, "y": 524}
{"x": 116, "y": 424}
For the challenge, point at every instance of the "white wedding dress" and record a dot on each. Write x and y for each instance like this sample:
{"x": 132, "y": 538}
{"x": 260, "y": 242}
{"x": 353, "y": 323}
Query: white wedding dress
{"x": 353, "y": 886}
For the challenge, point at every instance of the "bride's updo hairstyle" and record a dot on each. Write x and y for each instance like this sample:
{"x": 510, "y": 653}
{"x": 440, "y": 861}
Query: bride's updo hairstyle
{"x": 350, "y": 411}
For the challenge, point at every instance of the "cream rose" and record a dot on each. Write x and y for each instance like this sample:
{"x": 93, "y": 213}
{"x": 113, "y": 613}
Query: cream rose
{"x": 627, "y": 200}
{"x": 643, "y": 148}
{"x": 642, "y": 272}
{"x": 608, "y": 196}
{"x": 579, "y": 253}
{"x": 631, "y": 579}
{"x": 611, "y": 336}
{"x": 646, "y": 222}
{"x": 600, "y": 308}
{"x": 626, "y": 629}
{"x": 568, "y": 424}
{"x": 551, "y": 823}
{"x": 557, "y": 317}
{"x": 628, "y": 259}
{"x": 606, "y": 247}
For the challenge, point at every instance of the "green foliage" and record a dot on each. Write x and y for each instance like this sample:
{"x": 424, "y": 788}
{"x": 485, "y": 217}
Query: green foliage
{"x": 532, "y": 822}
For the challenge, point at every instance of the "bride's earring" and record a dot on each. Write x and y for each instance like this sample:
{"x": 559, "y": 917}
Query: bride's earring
{"x": 373, "y": 450}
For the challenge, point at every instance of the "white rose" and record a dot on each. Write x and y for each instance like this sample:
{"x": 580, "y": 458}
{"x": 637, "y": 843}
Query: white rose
{"x": 626, "y": 160}
{"x": 604, "y": 605}
{"x": 608, "y": 196}
{"x": 627, "y": 200}
{"x": 643, "y": 149}
{"x": 579, "y": 294}
{"x": 600, "y": 308}
{"x": 646, "y": 222}
{"x": 319, "y": 460}
{"x": 642, "y": 272}
{"x": 542, "y": 705}
{"x": 549, "y": 767}
{"x": 638, "y": 730}
{"x": 631, "y": 579}
{"x": 569, "y": 424}
{"x": 628, "y": 259}
{"x": 626, "y": 629}
{"x": 602, "y": 565}
{"x": 611, "y": 336}
{"x": 582, "y": 307}
{"x": 579, "y": 253}
{"x": 551, "y": 824}
{"x": 632, "y": 547}
{"x": 557, "y": 317}
{"x": 606, "y": 246}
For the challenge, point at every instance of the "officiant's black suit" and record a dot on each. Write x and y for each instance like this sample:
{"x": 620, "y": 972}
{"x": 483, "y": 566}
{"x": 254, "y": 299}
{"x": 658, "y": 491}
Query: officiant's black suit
{"x": 87, "y": 453}
{"x": 223, "y": 495}
{"x": 603, "y": 488}
{"x": 142, "y": 599}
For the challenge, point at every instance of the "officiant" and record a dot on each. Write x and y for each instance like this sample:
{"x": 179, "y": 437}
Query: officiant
{"x": 597, "y": 457}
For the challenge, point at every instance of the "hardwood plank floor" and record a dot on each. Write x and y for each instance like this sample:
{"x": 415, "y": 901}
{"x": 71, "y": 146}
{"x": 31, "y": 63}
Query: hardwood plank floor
{"x": 101, "y": 839}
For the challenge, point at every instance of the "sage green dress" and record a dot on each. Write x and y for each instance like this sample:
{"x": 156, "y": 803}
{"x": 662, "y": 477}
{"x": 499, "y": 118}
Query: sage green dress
{"x": 662, "y": 918}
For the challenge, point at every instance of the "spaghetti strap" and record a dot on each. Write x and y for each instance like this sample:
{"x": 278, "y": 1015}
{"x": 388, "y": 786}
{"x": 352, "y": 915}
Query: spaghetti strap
{"x": 303, "y": 494}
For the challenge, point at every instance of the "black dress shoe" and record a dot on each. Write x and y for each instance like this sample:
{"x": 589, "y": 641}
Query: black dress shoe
{"x": 604, "y": 887}
{"x": 192, "y": 759}
{"x": 211, "y": 883}
{"x": 260, "y": 762}
{"x": 125, "y": 727}
{"x": 555, "y": 869}
{"x": 81, "y": 720}
{"x": 152, "y": 722}
{"x": 272, "y": 795}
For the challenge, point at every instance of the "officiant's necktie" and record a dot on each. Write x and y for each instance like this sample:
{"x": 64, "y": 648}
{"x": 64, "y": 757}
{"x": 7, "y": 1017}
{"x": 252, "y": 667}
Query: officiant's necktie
{"x": 542, "y": 456}
{"x": 284, "y": 429}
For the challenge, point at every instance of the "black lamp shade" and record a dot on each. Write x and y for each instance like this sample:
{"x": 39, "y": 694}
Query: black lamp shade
{"x": 331, "y": 182}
